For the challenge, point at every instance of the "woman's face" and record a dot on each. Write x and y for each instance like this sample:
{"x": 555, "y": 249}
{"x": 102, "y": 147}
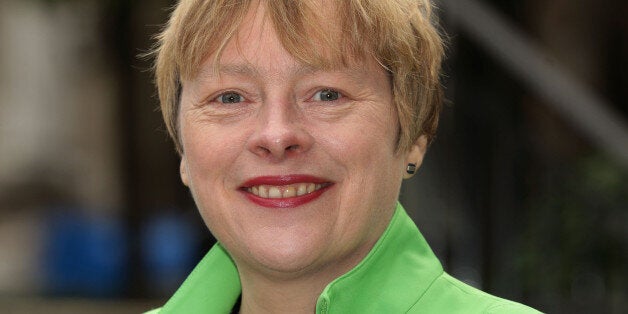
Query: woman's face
{"x": 293, "y": 168}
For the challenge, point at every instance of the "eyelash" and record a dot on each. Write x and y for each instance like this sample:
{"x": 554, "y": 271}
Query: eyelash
{"x": 318, "y": 97}
{"x": 231, "y": 94}
{"x": 336, "y": 95}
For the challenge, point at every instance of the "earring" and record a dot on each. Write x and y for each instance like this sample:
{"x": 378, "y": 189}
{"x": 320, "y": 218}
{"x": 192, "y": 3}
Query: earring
{"x": 411, "y": 168}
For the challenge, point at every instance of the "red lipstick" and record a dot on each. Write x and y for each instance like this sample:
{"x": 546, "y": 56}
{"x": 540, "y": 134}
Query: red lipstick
{"x": 287, "y": 202}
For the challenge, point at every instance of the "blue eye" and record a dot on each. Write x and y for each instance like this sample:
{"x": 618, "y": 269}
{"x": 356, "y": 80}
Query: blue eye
{"x": 230, "y": 98}
{"x": 327, "y": 95}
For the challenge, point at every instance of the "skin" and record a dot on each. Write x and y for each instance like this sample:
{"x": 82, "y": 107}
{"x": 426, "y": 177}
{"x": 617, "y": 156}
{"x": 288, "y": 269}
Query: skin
{"x": 279, "y": 125}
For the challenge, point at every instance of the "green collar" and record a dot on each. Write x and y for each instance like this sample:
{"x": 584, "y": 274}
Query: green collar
{"x": 397, "y": 272}
{"x": 212, "y": 287}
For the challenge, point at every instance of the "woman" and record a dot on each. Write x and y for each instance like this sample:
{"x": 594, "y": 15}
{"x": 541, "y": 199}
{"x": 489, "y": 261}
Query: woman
{"x": 296, "y": 122}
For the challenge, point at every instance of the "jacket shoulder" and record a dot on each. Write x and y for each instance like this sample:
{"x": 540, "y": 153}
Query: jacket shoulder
{"x": 509, "y": 307}
{"x": 449, "y": 295}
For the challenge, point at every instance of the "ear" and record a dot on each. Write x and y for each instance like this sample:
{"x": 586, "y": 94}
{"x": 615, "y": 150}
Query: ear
{"x": 183, "y": 170}
{"x": 415, "y": 155}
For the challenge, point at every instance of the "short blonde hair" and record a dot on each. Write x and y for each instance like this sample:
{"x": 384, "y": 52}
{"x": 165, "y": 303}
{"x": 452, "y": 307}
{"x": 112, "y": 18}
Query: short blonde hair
{"x": 400, "y": 34}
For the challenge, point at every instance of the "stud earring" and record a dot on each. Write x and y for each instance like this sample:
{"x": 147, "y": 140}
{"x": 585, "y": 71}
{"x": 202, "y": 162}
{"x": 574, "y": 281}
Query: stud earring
{"x": 411, "y": 168}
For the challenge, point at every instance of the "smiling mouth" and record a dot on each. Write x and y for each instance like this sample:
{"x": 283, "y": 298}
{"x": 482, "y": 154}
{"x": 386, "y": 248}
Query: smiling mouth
{"x": 285, "y": 191}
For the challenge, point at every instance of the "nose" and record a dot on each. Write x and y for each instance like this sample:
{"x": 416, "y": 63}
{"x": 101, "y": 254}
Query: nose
{"x": 280, "y": 132}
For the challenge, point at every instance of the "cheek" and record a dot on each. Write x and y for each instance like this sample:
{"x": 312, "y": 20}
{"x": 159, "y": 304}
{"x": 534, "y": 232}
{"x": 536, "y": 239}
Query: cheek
{"x": 209, "y": 156}
{"x": 206, "y": 144}
{"x": 209, "y": 162}
{"x": 366, "y": 146}
{"x": 374, "y": 156}
{"x": 367, "y": 138}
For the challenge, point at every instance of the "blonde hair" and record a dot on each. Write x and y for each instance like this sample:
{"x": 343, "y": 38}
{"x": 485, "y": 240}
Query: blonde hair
{"x": 400, "y": 34}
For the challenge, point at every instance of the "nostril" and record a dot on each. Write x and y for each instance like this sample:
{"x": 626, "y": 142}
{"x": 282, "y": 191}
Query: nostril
{"x": 292, "y": 147}
{"x": 263, "y": 149}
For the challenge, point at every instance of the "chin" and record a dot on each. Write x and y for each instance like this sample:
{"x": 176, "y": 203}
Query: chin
{"x": 289, "y": 257}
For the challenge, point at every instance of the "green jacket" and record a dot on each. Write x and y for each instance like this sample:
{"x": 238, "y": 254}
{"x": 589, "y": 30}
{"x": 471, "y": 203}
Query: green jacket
{"x": 401, "y": 274}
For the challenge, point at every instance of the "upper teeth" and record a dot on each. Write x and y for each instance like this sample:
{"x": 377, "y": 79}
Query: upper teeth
{"x": 284, "y": 191}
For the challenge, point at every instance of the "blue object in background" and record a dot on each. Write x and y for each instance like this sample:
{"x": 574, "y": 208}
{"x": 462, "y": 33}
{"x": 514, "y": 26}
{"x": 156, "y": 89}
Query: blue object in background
{"x": 170, "y": 244}
{"x": 84, "y": 255}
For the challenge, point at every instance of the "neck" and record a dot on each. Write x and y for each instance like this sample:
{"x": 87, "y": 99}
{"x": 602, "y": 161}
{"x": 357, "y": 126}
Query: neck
{"x": 264, "y": 293}
{"x": 261, "y": 295}
{"x": 271, "y": 291}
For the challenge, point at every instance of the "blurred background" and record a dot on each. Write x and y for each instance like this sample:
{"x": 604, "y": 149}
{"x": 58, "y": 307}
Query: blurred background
{"x": 523, "y": 194}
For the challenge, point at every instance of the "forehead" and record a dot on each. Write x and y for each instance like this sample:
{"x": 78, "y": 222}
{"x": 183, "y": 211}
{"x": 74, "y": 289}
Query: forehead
{"x": 311, "y": 36}
{"x": 256, "y": 41}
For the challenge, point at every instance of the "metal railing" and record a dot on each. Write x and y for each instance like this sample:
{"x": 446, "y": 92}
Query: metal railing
{"x": 587, "y": 113}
